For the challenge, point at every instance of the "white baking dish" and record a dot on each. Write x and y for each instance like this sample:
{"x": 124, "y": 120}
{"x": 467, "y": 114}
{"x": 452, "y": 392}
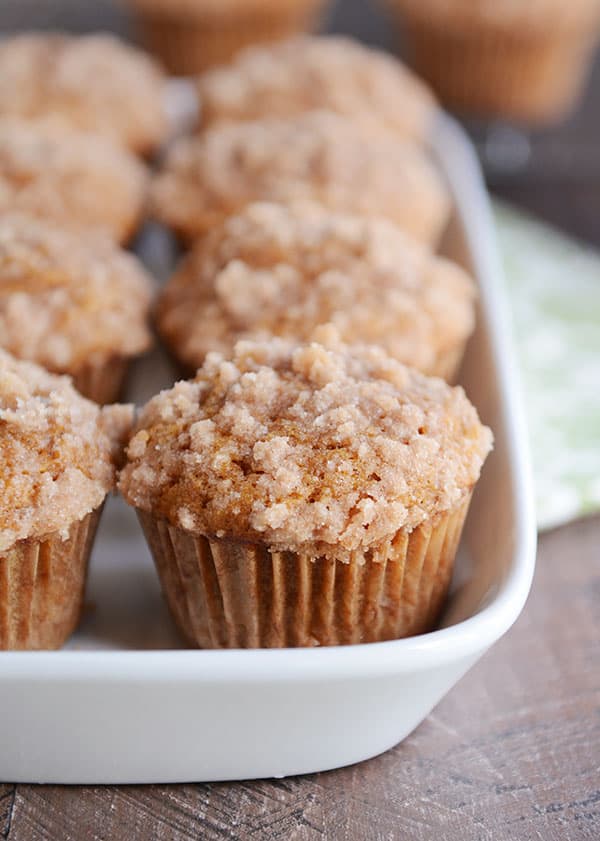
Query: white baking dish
{"x": 122, "y": 705}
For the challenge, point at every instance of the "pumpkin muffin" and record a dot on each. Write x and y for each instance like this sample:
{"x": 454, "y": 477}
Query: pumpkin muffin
{"x": 90, "y": 83}
{"x": 74, "y": 179}
{"x": 319, "y": 156}
{"x": 191, "y": 35}
{"x": 275, "y": 270}
{"x": 300, "y": 495}
{"x": 518, "y": 60}
{"x": 73, "y": 304}
{"x": 335, "y": 74}
{"x": 58, "y": 453}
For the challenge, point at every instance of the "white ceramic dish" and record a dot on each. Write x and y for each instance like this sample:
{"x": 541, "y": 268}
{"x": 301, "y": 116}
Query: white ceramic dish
{"x": 122, "y": 705}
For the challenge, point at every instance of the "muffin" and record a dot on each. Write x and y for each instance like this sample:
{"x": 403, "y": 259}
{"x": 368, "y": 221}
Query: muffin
{"x": 319, "y": 155}
{"x": 73, "y": 304}
{"x": 94, "y": 83}
{"x": 303, "y": 74}
{"x": 191, "y": 35}
{"x": 278, "y": 270}
{"x": 58, "y": 453}
{"x": 522, "y": 61}
{"x": 75, "y": 179}
{"x": 301, "y": 495}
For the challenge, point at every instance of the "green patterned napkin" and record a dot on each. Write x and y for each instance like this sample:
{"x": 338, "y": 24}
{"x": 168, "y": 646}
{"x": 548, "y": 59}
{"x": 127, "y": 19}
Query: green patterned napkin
{"x": 554, "y": 288}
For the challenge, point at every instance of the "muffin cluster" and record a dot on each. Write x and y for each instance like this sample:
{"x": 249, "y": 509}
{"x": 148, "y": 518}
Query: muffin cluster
{"x": 308, "y": 484}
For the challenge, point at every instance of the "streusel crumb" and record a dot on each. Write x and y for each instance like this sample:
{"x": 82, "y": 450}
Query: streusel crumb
{"x": 337, "y": 74}
{"x": 319, "y": 156}
{"x": 72, "y": 178}
{"x": 316, "y": 448}
{"x": 91, "y": 83}
{"x": 58, "y": 452}
{"x": 66, "y": 299}
{"x": 275, "y": 270}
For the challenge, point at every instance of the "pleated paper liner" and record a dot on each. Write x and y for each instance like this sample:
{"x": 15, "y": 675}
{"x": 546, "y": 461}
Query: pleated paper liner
{"x": 102, "y": 381}
{"x": 190, "y": 43}
{"x": 229, "y": 594}
{"x": 42, "y": 584}
{"x": 527, "y": 74}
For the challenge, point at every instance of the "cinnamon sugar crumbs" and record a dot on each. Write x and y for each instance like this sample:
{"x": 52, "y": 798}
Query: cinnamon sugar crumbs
{"x": 316, "y": 448}
{"x": 58, "y": 452}
{"x": 92, "y": 83}
{"x": 319, "y": 156}
{"x": 333, "y": 73}
{"x": 78, "y": 180}
{"x": 66, "y": 299}
{"x": 277, "y": 270}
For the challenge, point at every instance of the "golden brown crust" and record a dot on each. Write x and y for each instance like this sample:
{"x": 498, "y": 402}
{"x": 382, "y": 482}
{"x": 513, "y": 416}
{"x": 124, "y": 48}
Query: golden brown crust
{"x": 279, "y": 270}
{"x": 74, "y": 179}
{"x": 540, "y": 15}
{"x": 58, "y": 452}
{"x": 90, "y": 83}
{"x": 319, "y": 156}
{"x": 307, "y": 73}
{"x": 67, "y": 300}
{"x": 312, "y": 448}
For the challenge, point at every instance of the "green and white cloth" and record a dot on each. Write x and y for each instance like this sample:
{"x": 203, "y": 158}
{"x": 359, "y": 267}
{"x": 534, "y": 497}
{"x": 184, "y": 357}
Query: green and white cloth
{"x": 554, "y": 289}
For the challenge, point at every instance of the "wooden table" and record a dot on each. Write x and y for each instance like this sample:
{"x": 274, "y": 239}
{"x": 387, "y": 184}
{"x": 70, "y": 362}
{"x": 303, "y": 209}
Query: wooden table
{"x": 514, "y": 751}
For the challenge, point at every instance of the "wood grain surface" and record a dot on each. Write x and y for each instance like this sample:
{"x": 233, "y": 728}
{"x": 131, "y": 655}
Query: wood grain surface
{"x": 514, "y": 751}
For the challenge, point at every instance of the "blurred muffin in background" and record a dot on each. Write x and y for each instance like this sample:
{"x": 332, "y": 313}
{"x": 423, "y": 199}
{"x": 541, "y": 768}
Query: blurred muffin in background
{"x": 79, "y": 180}
{"x": 519, "y": 60}
{"x": 302, "y": 74}
{"x": 191, "y": 35}
{"x": 319, "y": 156}
{"x": 283, "y": 271}
{"x": 76, "y": 305}
{"x": 94, "y": 83}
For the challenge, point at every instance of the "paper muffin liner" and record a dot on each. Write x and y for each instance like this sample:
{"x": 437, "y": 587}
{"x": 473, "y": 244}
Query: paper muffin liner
{"x": 189, "y": 44}
{"x": 42, "y": 584}
{"x": 230, "y": 594}
{"x": 103, "y": 381}
{"x": 534, "y": 75}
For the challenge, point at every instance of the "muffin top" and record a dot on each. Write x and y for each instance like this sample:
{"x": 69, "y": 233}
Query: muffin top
{"x": 315, "y": 448}
{"x": 77, "y": 179}
{"x": 66, "y": 299}
{"x": 92, "y": 83}
{"x": 337, "y": 74}
{"x": 318, "y": 155}
{"x": 57, "y": 452}
{"x": 282, "y": 270}
{"x": 541, "y": 14}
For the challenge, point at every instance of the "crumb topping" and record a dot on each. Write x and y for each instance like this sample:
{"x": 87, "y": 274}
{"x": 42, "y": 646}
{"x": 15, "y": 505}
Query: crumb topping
{"x": 92, "y": 83}
{"x": 318, "y": 156}
{"x": 306, "y": 73}
{"x": 277, "y": 270}
{"x": 58, "y": 452}
{"x": 76, "y": 179}
{"x": 317, "y": 447}
{"x": 66, "y": 299}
